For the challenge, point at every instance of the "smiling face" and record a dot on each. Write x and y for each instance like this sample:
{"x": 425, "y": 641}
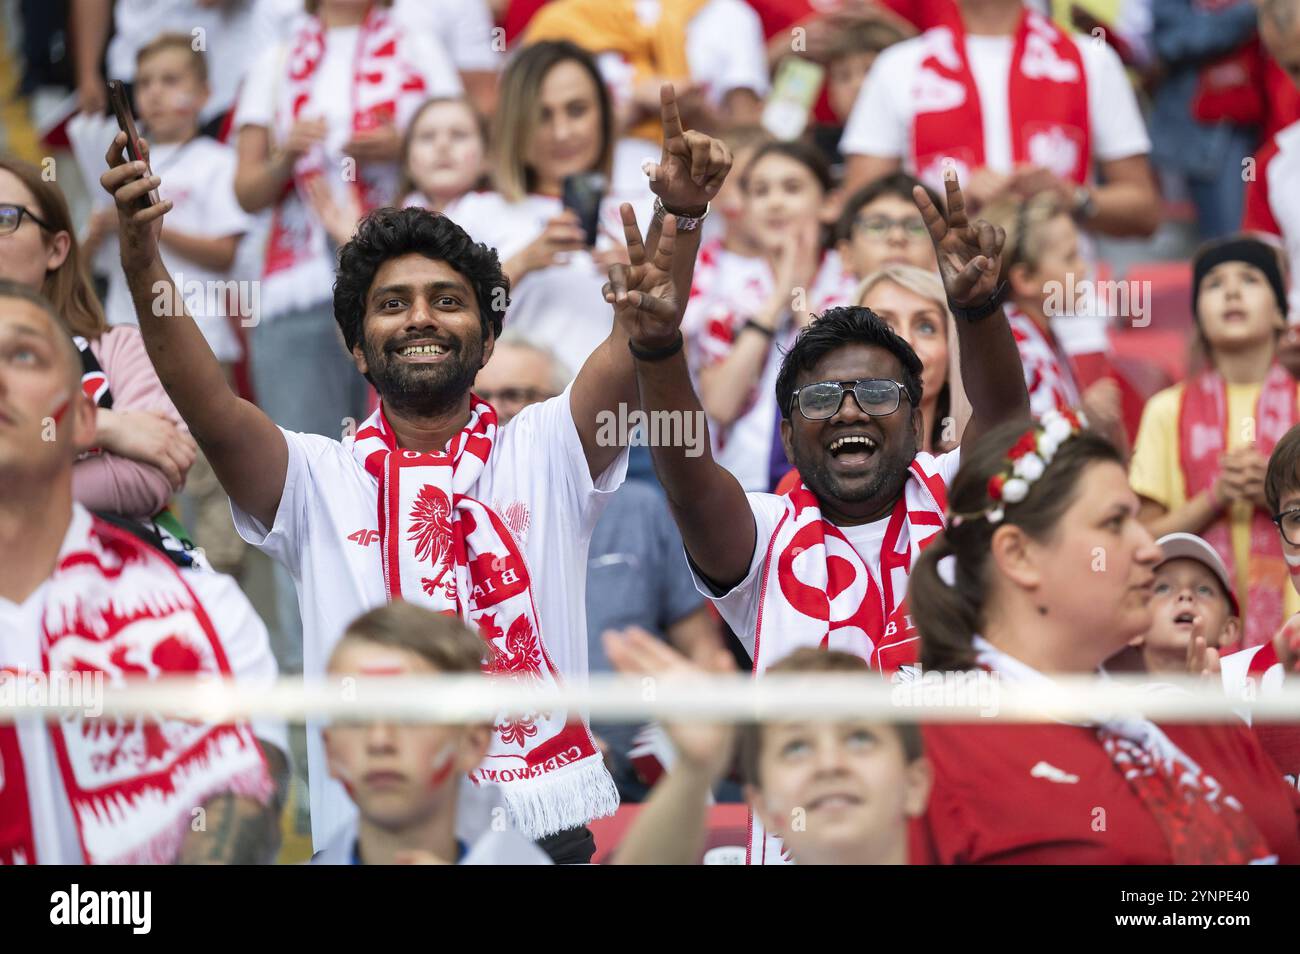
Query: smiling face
{"x": 1096, "y": 569}
{"x": 888, "y": 230}
{"x": 782, "y": 196}
{"x": 27, "y": 253}
{"x": 566, "y": 137}
{"x": 920, "y": 322}
{"x": 422, "y": 341}
{"x": 40, "y": 396}
{"x": 169, "y": 94}
{"x": 856, "y": 464}
{"x": 838, "y": 792}
{"x": 398, "y": 775}
{"x": 446, "y": 152}
{"x": 1237, "y": 308}
{"x": 1187, "y": 602}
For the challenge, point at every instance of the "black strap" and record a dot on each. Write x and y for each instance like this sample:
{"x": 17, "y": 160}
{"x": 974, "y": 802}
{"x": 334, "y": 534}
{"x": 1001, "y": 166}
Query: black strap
{"x": 656, "y": 354}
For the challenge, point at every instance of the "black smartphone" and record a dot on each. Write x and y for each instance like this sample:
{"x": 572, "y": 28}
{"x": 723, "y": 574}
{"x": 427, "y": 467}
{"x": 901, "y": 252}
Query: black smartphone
{"x": 121, "y": 105}
{"x": 583, "y": 193}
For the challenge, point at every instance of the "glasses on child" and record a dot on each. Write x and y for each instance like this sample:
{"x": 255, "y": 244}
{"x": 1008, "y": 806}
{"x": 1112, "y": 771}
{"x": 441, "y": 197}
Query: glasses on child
{"x": 878, "y": 397}
{"x": 11, "y": 216}
{"x": 1288, "y": 524}
{"x": 878, "y": 227}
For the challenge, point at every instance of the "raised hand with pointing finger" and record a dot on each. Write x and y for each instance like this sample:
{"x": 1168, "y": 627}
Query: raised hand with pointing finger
{"x": 692, "y": 166}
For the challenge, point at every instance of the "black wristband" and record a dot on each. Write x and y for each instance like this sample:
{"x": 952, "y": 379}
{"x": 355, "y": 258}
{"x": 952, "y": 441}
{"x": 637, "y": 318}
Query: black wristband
{"x": 751, "y": 323}
{"x": 656, "y": 354}
{"x": 978, "y": 312}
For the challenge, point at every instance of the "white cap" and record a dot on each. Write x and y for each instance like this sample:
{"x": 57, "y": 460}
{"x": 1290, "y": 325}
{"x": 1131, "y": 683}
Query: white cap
{"x": 1188, "y": 546}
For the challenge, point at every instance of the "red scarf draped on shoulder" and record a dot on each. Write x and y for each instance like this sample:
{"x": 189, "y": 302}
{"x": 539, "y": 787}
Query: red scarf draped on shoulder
{"x": 1048, "y": 103}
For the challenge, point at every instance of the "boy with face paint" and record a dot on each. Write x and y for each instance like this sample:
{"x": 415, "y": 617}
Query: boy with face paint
{"x": 835, "y": 792}
{"x": 404, "y": 779}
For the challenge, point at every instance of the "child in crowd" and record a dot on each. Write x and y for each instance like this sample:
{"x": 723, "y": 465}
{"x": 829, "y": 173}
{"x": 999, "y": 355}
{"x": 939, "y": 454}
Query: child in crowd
{"x": 880, "y": 225}
{"x": 444, "y": 156}
{"x": 404, "y": 779}
{"x": 741, "y": 331}
{"x": 1202, "y": 449}
{"x": 849, "y": 56}
{"x": 835, "y": 792}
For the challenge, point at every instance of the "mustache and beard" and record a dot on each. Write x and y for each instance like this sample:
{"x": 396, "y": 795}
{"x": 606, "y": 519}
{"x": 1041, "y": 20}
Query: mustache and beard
{"x": 423, "y": 388}
{"x": 883, "y": 482}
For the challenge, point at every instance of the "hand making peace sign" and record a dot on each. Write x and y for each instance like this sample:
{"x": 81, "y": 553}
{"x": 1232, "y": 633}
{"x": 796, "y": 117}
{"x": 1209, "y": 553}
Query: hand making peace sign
{"x": 970, "y": 255}
{"x": 642, "y": 293}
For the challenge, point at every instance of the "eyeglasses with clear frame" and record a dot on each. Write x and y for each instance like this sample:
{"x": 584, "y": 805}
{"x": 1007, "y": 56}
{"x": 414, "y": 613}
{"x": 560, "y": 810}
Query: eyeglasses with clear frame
{"x": 878, "y": 397}
{"x": 11, "y": 216}
{"x": 878, "y": 227}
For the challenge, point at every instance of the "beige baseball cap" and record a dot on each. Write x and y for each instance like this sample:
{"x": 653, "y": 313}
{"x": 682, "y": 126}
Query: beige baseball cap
{"x": 1188, "y": 546}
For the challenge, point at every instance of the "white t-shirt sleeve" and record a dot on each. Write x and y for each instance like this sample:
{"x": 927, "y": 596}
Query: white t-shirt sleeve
{"x": 739, "y": 605}
{"x": 546, "y": 438}
{"x": 256, "y": 106}
{"x": 1117, "y": 128}
{"x": 282, "y": 541}
{"x": 725, "y": 49}
{"x": 879, "y": 124}
{"x": 221, "y": 213}
{"x": 245, "y": 642}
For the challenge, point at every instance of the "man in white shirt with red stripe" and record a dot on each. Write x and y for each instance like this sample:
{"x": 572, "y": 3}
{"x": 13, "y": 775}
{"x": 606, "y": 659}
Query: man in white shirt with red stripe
{"x": 431, "y": 501}
{"x": 1016, "y": 104}
{"x": 827, "y": 564}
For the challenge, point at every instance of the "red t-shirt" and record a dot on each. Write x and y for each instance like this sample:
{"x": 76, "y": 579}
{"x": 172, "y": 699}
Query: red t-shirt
{"x": 1049, "y": 794}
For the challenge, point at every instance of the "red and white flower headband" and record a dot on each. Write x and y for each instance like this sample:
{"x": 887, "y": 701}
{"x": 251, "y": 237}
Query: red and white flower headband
{"x": 1025, "y": 463}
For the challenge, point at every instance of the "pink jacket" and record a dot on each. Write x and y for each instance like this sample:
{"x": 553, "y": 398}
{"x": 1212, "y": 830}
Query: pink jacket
{"x": 109, "y": 482}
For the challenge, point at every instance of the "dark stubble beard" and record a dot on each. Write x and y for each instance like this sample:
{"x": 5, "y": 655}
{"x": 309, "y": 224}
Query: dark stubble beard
{"x": 424, "y": 389}
{"x": 883, "y": 487}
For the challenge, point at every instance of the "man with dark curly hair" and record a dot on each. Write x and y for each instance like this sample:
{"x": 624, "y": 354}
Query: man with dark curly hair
{"x": 430, "y": 501}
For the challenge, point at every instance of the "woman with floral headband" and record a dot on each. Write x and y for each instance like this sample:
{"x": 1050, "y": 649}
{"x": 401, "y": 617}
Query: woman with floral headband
{"x": 1045, "y": 570}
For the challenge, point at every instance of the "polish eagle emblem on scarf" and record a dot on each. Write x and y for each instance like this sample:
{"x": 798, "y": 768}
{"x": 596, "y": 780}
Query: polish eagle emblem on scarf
{"x": 431, "y": 534}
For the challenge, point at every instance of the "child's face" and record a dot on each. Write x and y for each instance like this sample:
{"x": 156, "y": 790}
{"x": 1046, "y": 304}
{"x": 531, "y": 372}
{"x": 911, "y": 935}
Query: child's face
{"x": 781, "y": 197}
{"x": 1187, "y": 601}
{"x": 1237, "y": 307}
{"x": 1059, "y": 258}
{"x": 1290, "y": 502}
{"x": 833, "y": 790}
{"x": 888, "y": 230}
{"x": 844, "y": 79}
{"x": 398, "y": 775}
{"x": 169, "y": 95}
{"x": 730, "y": 200}
{"x": 446, "y": 152}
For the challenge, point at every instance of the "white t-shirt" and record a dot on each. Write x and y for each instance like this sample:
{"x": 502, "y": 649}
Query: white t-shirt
{"x": 231, "y": 39}
{"x": 199, "y": 178}
{"x": 247, "y": 648}
{"x": 881, "y": 121}
{"x": 739, "y": 605}
{"x": 560, "y": 307}
{"x": 464, "y": 28}
{"x": 537, "y": 470}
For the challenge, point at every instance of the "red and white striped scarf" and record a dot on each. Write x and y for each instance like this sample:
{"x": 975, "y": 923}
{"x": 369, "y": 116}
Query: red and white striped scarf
{"x": 385, "y": 90}
{"x": 454, "y": 554}
{"x": 115, "y": 606}
{"x": 1202, "y": 823}
{"x": 1203, "y": 436}
{"x": 818, "y": 591}
{"x": 1048, "y": 103}
{"x": 1048, "y": 376}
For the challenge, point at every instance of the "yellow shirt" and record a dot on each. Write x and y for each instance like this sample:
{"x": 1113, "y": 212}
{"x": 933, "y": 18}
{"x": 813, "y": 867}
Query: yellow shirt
{"x": 1156, "y": 470}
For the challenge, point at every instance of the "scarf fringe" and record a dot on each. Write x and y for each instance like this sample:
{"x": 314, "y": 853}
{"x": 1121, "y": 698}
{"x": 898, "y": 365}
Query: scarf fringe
{"x": 562, "y": 799}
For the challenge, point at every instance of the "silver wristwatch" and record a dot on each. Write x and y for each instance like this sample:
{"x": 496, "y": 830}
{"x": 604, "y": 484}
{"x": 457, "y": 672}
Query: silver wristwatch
{"x": 685, "y": 223}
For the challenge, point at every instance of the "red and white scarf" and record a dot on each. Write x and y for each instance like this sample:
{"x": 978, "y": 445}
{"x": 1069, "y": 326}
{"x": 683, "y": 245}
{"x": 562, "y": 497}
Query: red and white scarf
{"x": 454, "y": 554}
{"x": 1202, "y": 437}
{"x": 1048, "y": 103}
{"x": 818, "y": 591}
{"x": 1048, "y": 377}
{"x": 116, "y": 606}
{"x": 385, "y": 90}
{"x": 1202, "y": 823}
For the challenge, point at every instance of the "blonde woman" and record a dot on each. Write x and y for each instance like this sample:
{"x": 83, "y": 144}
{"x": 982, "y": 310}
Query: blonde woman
{"x": 554, "y": 119}
{"x": 912, "y": 302}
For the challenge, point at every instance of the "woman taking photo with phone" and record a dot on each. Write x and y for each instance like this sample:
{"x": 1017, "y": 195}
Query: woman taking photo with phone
{"x": 554, "y": 122}
{"x": 1045, "y": 570}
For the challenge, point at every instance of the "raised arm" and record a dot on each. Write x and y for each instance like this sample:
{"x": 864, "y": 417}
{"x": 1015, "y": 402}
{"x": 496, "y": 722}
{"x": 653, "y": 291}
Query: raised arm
{"x": 246, "y": 449}
{"x": 689, "y": 174}
{"x": 970, "y": 259}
